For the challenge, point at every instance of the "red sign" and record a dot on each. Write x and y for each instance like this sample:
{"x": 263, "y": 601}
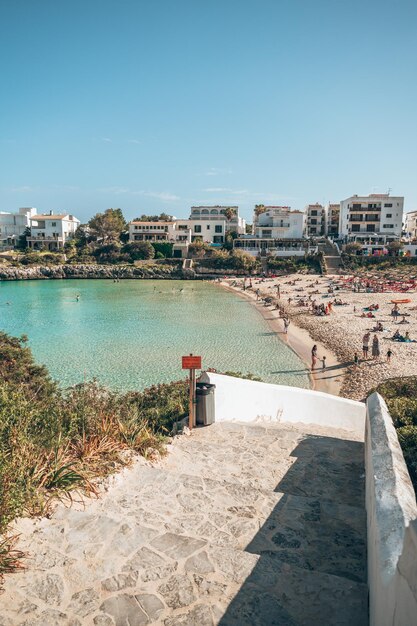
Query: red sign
{"x": 191, "y": 362}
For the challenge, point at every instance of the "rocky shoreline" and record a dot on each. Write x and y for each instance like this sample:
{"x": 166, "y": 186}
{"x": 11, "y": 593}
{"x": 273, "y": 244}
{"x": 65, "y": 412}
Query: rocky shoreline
{"x": 45, "y": 272}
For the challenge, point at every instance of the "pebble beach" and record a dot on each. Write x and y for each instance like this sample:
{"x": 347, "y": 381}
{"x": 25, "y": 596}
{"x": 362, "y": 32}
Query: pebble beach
{"x": 342, "y": 330}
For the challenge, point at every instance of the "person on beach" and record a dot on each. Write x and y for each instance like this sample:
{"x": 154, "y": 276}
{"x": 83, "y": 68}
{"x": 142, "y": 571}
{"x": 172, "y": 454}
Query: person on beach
{"x": 286, "y": 324}
{"x": 323, "y": 362}
{"x": 389, "y": 355}
{"x": 257, "y": 294}
{"x": 313, "y": 356}
{"x": 356, "y": 359}
{"x": 375, "y": 347}
{"x": 365, "y": 345}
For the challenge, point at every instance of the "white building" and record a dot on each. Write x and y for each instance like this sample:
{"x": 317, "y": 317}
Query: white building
{"x": 374, "y": 218}
{"x": 211, "y": 230}
{"x": 151, "y": 231}
{"x": 278, "y": 222}
{"x": 410, "y": 225}
{"x": 13, "y": 225}
{"x": 219, "y": 212}
{"x": 332, "y": 218}
{"x": 277, "y": 231}
{"x": 315, "y": 220}
{"x": 51, "y": 231}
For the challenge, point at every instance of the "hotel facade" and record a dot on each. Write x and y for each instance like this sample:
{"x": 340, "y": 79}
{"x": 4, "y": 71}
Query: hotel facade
{"x": 377, "y": 218}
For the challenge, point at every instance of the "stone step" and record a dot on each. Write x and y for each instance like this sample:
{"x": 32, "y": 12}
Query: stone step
{"x": 278, "y": 459}
{"x": 240, "y": 525}
{"x": 277, "y": 593}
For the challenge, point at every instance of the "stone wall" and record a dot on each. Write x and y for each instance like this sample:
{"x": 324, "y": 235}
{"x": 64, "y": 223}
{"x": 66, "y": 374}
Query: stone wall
{"x": 248, "y": 401}
{"x": 392, "y": 523}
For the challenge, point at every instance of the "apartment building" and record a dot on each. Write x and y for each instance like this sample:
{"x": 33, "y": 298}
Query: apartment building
{"x": 278, "y": 222}
{"x": 184, "y": 231}
{"x": 332, "y": 217}
{"x": 410, "y": 225}
{"x": 315, "y": 220}
{"x": 51, "y": 231}
{"x": 377, "y": 218}
{"x": 230, "y": 213}
{"x": 151, "y": 231}
{"x": 277, "y": 231}
{"x": 13, "y": 225}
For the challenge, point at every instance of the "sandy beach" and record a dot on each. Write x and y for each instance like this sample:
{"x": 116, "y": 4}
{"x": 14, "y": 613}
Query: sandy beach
{"x": 338, "y": 335}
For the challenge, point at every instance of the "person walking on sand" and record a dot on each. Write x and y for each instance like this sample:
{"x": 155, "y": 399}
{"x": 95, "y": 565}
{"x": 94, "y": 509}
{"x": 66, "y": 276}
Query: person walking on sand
{"x": 389, "y": 355}
{"x": 323, "y": 362}
{"x": 286, "y": 324}
{"x": 375, "y": 347}
{"x": 365, "y": 345}
{"x": 313, "y": 356}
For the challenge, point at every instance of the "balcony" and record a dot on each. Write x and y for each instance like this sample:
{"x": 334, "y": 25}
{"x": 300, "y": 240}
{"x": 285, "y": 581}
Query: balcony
{"x": 45, "y": 238}
{"x": 365, "y": 210}
{"x": 358, "y": 219}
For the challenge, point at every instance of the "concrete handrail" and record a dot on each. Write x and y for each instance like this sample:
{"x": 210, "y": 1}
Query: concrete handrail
{"x": 391, "y": 520}
{"x": 249, "y": 401}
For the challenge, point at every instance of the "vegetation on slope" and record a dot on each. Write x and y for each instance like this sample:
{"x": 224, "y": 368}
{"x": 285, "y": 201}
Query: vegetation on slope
{"x": 53, "y": 443}
{"x": 400, "y": 394}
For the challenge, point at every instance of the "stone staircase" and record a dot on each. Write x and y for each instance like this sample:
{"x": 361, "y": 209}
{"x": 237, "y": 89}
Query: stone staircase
{"x": 332, "y": 257}
{"x": 245, "y": 525}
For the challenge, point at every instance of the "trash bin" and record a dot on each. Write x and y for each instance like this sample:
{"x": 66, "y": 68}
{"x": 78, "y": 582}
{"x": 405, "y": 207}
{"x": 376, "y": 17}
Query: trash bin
{"x": 205, "y": 404}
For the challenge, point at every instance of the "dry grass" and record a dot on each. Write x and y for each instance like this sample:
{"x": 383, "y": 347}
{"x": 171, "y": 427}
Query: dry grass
{"x": 54, "y": 444}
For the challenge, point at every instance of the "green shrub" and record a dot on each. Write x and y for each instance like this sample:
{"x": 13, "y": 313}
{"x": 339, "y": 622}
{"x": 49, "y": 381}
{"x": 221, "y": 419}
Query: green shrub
{"x": 400, "y": 395}
{"x": 53, "y": 441}
{"x": 163, "y": 249}
{"x": 139, "y": 251}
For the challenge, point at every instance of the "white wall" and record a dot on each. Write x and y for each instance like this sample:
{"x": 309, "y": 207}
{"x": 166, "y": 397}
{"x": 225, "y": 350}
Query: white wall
{"x": 14, "y": 224}
{"x": 54, "y": 226}
{"x": 396, "y": 211}
{"x": 391, "y": 519}
{"x": 248, "y": 401}
{"x": 292, "y": 228}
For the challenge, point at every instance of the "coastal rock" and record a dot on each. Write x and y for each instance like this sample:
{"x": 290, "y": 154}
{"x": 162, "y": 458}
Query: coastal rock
{"x": 45, "y": 272}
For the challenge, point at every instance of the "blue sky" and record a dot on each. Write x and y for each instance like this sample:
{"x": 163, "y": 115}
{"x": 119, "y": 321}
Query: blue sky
{"x": 160, "y": 104}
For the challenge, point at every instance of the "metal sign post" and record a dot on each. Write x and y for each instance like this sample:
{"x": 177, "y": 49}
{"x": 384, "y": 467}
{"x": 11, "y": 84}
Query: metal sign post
{"x": 192, "y": 363}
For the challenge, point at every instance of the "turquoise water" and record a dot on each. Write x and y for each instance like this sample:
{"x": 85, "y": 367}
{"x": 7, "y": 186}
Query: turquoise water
{"x": 131, "y": 334}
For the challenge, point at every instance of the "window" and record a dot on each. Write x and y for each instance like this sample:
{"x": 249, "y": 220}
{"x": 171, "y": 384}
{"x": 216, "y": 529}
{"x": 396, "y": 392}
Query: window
{"x": 370, "y": 228}
{"x": 218, "y": 228}
{"x": 389, "y": 214}
{"x": 313, "y": 212}
{"x": 356, "y": 228}
{"x": 197, "y": 228}
{"x": 217, "y": 239}
{"x": 53, "y": 224}
{"x": 387, "y": 205}
{"x": 208, "y": 226}
{"x": 388, "y": 225}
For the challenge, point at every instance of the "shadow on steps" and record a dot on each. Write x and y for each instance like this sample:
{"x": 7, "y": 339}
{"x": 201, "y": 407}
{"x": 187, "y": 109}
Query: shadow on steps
{"x": 312, "y": 548}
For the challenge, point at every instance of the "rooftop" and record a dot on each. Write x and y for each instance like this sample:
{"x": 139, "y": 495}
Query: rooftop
{"x": 60, "y": 216}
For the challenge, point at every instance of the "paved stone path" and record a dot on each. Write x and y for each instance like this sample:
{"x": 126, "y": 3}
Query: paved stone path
{"x": 240, "y": 525}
